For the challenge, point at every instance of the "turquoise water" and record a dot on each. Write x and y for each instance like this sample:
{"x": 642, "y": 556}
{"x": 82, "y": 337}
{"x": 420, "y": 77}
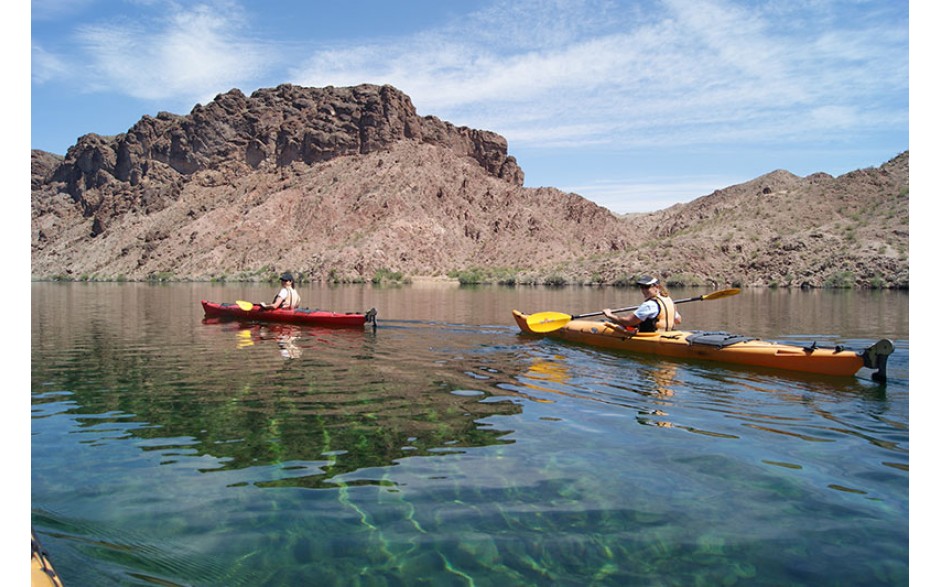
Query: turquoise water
{"x": 446, "y": 449}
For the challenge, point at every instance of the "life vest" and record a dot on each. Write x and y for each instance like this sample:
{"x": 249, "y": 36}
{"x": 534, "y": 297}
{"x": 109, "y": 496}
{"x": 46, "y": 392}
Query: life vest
{"x": 662, "y": 321}
{"x": 291, "y": 301}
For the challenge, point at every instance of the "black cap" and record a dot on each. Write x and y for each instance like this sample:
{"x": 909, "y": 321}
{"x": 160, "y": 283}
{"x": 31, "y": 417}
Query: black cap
{"x": 287, "y": 277}
{"x": 647, "y": 281}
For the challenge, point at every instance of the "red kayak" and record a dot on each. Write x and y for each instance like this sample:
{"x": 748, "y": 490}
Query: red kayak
{"x": 295, "y": 316}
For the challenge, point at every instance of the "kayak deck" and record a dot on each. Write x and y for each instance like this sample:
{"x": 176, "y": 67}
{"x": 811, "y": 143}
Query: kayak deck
{"x": 42, "y": 574}
{"x": 295, "y": 316}
{"x": 723, "y": 347}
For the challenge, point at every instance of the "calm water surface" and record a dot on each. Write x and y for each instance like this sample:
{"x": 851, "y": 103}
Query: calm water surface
{"x": 446, "y": 449}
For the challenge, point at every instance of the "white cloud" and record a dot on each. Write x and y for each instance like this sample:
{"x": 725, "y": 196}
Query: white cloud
{"x": 689, "y": 71}
{"x": 47, "y": 66}
{"x": 190, "y": 53}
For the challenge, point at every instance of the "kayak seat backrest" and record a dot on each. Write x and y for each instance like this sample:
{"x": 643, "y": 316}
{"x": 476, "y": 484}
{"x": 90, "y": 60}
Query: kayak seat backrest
{"x": 716, "y": 339}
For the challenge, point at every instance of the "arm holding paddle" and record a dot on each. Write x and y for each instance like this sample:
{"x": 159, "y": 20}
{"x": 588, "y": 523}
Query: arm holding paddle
{"x": 287, "y": 298}
{"x": 645, "y": 311}
{"x": 657, "y": 312}
{"x": 544, "y": 322}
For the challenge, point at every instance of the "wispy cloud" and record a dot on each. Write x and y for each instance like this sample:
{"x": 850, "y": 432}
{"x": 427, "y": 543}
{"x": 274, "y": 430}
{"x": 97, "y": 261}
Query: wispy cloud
{"x": 183, "y": 54}
{"x": 687, "y": 71}
{"x": 47, "y": 66}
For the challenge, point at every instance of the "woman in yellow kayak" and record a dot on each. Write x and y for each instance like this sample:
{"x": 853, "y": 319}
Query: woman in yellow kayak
{"x": 287, "y": 298}
{"x": 656, "y": 313}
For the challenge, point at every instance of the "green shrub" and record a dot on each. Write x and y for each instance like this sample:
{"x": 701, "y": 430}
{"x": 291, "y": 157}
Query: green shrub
{"x": 624, "y": 281}
{"x": 840, "y": 280}
{"x": 387, "y": 275}
{"x": 683, "y": 280}
{"x": 160, "y": 276}
{"x": 469, "y": 277}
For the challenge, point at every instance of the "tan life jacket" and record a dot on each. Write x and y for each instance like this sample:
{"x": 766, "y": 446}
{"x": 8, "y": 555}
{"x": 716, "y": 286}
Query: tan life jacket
{"x": 291, "y": 301}
{"x": 293, "y": 298}
{"x": 665, "y": 320}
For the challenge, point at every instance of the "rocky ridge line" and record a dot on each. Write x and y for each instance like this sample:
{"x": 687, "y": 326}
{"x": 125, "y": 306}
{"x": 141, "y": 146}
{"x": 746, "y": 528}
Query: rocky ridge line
{"x": 345, "y": 183}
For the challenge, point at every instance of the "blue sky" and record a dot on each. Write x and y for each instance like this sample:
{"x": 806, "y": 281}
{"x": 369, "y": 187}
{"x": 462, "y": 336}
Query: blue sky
{"x": 634, "y": 104}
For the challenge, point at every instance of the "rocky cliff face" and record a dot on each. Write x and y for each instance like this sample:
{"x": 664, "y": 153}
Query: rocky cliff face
{"x": 347, "y": 183}
{"x": 784, "y": 230}
{"x": 148, "y": 166}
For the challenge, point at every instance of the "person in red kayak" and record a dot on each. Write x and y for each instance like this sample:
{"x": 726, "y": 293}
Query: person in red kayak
{"x": 656, "y": 313}
{"x": 287, "y": 298}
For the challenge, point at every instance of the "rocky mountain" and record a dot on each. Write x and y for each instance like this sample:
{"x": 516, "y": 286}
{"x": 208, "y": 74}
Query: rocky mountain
{"x": 350, "y": 184}
{"x": 784, "y": 230}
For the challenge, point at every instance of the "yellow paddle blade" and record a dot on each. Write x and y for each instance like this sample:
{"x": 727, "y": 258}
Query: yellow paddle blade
{"x": 721, "y": 294}
{"x": 542, "y": 322}
{"x": 246, "y": 306}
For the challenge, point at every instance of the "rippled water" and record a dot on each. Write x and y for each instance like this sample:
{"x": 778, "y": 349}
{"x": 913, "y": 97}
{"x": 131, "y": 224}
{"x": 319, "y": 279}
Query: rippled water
{"x": 446, "y": 449}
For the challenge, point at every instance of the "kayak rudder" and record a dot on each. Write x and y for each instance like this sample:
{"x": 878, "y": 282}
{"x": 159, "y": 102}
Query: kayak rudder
{"x": 876, "y": 357}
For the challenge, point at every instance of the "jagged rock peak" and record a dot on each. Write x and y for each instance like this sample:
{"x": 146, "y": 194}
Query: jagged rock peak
{"x": 274, "y": 127}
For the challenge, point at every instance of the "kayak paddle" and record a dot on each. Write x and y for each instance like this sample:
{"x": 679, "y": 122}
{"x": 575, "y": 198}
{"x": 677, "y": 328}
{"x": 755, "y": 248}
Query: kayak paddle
{"x": 543, "y": 322}
{"x": 246, "y": 306}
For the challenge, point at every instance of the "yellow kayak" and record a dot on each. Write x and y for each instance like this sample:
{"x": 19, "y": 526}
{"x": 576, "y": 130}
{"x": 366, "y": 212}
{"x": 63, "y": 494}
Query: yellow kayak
{"x": 42, "y": 573}
{"x": 721, "y": 346}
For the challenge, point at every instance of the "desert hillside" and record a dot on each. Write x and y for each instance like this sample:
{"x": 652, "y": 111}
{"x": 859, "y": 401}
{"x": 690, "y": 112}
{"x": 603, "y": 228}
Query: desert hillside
{"x": 350, "y": 184}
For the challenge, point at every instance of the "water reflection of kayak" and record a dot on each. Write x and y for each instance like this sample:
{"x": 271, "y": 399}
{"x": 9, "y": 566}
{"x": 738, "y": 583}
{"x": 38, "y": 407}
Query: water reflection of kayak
{"x": 42, "y": 573}
{"x": 296, "y": 316}
{"x": 723, "y": 347}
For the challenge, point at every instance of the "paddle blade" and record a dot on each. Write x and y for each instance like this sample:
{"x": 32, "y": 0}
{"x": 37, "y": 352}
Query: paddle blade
{"x": 543, "y": 322}
{"x": 721, "y": 294}
{"x": 246, "y": 306}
